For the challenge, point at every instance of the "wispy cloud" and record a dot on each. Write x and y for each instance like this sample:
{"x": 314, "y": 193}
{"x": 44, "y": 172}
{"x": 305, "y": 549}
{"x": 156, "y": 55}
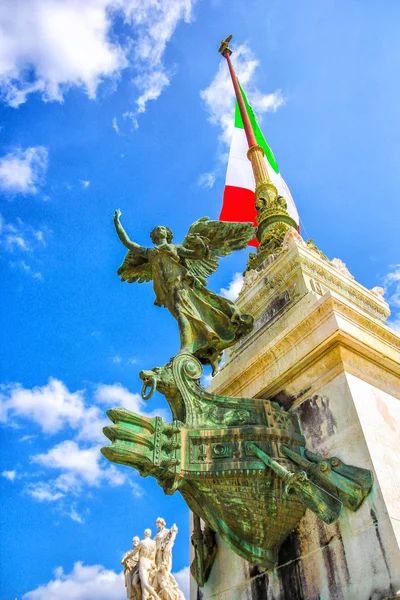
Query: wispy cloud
{"x": 84, "y": 183}
{"x": 206, "y": 180}
{"x": 10, "y": 475}
{"x": 27, "y": 269}
{"x": 206, "y": 380}
{"x": 391, "y": 282}
{"x": 234, "y": 287}
{"x": 21, "y": 237}
{"x": 115, "y": 125}
{"x": 219, "y": 99}
{"x": 23, "y": 171}
{"x": 73, "y": 514}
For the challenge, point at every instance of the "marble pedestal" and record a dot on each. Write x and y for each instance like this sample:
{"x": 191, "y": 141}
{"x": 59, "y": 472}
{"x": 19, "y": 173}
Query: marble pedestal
{"x": 321, "y": 348}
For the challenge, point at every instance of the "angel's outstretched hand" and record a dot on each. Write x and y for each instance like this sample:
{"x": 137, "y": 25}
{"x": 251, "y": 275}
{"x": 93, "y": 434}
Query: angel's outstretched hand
{"x": 117, "y": 214}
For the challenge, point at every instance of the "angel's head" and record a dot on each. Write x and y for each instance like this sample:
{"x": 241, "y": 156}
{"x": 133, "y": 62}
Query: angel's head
{"x": 161, "y": 234}
{"x": 135, "y": 541}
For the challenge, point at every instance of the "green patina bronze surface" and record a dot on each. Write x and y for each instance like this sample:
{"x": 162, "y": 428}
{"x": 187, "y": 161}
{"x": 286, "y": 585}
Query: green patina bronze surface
{"x": 240, "y": 463}
{"x": 208, "y": 323}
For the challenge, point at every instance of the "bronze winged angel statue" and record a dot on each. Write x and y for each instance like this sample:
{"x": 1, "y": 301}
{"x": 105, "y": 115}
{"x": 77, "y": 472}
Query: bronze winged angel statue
{"x": 208, "y": 323}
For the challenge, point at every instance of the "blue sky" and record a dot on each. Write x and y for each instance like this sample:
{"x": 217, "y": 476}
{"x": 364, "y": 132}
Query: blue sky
{"x": 127, "y": 104}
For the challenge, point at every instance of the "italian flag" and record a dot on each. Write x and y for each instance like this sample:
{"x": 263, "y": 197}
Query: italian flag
{"x": 239, "y": 197}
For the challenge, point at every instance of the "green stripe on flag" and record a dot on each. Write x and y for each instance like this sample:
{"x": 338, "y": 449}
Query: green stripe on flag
{"x": 256, "y": 129}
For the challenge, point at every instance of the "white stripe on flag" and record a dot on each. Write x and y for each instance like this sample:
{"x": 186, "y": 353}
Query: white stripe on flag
{"x": 240, "y": 173}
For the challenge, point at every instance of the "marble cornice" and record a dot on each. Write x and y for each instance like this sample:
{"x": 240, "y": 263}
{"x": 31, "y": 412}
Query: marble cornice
{"x": 274, "y": 356}
{"x": 260, "y": 287}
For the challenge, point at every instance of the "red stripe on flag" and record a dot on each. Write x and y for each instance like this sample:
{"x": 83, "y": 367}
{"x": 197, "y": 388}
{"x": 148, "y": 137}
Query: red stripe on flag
{"x": 239, "y": 204}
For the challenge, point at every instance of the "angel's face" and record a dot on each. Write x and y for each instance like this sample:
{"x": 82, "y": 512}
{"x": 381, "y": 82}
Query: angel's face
{"x": 159, "y": 234}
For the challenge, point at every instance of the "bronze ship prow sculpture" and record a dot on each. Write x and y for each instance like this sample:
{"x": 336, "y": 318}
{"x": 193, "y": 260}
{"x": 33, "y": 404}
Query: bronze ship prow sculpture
{"x": 241, "y": 464}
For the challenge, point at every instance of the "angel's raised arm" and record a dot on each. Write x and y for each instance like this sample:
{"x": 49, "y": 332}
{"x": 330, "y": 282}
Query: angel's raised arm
{"x": 123, "y": 236}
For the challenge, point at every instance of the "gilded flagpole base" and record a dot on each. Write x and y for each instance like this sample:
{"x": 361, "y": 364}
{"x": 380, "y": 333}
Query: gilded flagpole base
{"x": 273, "y": 219}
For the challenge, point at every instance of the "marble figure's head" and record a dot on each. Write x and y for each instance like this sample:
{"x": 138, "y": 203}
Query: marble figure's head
{"x": 160, "y": 523}
{"x": 147, "y": 533}
{"x": 135, "y": 541}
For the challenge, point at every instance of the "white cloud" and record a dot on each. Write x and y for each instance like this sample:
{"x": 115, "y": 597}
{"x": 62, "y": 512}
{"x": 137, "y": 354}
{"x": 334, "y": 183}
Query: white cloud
{"x": 183, "y": 579}
{"x": 219, "y": 97}
{"x": 115, "y": 125}
{"x": 86, "y": 582}
{"x": 78, "y": 461}
{"x": 43, "y": 492}
{"x": 154, "y": 24}
{"x": 137, "y": 490}
{"x": 394, "y": 324}
{"x": 117, "y": 359}
{"x": 84, "y": 183}
{"x": 391, "y": 282}
{"x": 20, "y": 237}
{"x": 206, "y": 380}
{"x": 117, "y": 395}
{"x": 233, "y": 289}
{"x": 23, "y": 171}
{"x": 151, "y": 85}
{"x": 70, "y": 457}
{"x": 27, "y": 438}
{"x": 27, "y": 269}
{"x": 10, "y": 475}
{"x": 79, "y": 467}
{"x": 49, "y": 46}
{"x": 74, "y": 515}
{"x": 206, "y": 180}
{"x": 51, "y": 406}
{"x": 131, "y": 116}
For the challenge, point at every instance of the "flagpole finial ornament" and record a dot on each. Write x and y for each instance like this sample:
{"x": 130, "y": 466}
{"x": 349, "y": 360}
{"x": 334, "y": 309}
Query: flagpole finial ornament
{"x": 273, "y": 217}
{"x": 224, "y": 47}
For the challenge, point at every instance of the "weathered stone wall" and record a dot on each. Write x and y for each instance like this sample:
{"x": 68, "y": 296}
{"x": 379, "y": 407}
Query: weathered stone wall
{"x": 321, "y": 349}
{"x": 355, "y": 558}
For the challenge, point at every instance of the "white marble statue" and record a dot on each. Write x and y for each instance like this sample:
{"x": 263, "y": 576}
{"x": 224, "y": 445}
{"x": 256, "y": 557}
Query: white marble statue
{"x": 164, "y": 582}
{"x": 130, "y": 562}
{"x": 147, "y": 567}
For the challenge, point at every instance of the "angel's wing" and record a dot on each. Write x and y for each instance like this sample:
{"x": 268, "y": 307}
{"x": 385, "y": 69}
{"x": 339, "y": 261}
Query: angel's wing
{"x": 221, "y": 238}
{"x": 135, "y": 267}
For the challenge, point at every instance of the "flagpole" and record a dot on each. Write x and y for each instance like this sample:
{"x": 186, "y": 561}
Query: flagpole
{"x": 273, "y": 219}
{"x": 255, "y": 153}
{"x": 251, "y": 138}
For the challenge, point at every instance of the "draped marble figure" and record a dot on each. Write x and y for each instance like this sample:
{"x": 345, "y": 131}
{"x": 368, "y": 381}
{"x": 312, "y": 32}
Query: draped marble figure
{"x": 208, "y": 323}
{"x": 147, "y": 567}
{"x": 130, "y": 561}
{"x": 164, "y": 582}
